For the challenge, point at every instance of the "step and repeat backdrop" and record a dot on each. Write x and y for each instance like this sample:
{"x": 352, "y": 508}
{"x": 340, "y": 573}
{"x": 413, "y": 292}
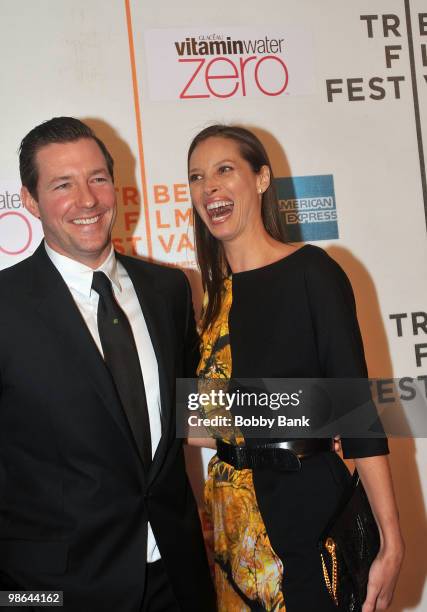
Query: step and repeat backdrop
{"x": 337, "y": 91}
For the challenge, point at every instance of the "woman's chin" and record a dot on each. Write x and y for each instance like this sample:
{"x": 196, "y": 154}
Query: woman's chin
{"x": 222, "y": 233}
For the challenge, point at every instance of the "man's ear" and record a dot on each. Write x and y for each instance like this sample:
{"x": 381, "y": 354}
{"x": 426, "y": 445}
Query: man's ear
{"x": 29, "y": 202}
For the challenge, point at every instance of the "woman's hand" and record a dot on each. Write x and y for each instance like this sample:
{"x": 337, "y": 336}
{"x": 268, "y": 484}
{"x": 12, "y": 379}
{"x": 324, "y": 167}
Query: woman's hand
{"x": 337, "y": 444}
{"x": 382, "y": 578}
{"x": 376, "y": 478}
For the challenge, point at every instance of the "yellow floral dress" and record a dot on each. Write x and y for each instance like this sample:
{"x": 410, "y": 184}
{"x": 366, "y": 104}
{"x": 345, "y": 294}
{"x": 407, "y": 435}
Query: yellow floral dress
{"x": 248, "y": 573}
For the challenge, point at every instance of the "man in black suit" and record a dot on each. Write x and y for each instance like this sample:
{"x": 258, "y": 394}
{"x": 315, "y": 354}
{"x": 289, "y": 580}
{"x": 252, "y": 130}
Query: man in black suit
{"x": 94, "y": 499}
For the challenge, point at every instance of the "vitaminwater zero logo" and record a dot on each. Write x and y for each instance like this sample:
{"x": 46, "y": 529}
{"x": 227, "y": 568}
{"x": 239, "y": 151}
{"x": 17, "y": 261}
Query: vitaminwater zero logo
{"x": 308, "y": 206}
{"x": 221, "y": 68}
{"x": 231, "y": 63}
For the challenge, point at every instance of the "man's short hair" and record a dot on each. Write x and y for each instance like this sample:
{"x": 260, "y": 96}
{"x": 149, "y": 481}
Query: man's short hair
{"x": 56, "y": 130}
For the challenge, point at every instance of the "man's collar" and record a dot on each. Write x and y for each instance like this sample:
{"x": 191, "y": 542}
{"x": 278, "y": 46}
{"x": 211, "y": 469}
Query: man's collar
{"x": 78, "y": 276}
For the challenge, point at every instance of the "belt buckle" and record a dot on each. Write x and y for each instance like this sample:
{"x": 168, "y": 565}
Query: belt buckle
{"x": 240, "y": 452}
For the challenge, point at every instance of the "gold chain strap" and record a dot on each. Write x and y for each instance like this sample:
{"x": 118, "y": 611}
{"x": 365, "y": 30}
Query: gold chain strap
{"x": 332, "y": 588}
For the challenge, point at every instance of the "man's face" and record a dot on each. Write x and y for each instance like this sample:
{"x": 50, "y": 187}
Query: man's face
{"x": 76, "y": 200}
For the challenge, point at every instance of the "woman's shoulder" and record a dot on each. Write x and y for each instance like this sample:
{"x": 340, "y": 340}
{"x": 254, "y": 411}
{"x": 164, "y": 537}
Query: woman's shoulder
{"x": 315, "y": 255}
{"x": 324, "y": 278}
{"x": 308, "y": 262}
{"x": 314, "y": 259}
{"x": 314, "y": 263}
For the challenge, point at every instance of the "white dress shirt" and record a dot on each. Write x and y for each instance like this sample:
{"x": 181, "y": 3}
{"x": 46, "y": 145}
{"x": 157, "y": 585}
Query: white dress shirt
{"x": 78, "y": 278}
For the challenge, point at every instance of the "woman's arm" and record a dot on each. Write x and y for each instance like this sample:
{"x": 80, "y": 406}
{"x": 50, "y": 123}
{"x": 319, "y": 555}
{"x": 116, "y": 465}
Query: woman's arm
{"x": 341, "y": 355}
{"x": 204, "y": 442}
{"x": 376, "y": 478}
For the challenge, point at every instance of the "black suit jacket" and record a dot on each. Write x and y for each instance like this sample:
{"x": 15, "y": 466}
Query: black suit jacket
{"x": 74, "y": 501}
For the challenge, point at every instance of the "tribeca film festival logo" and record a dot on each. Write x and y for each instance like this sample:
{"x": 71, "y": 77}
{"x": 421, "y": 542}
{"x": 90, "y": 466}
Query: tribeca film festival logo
{"x": 308, "y": 206}
{"x": 226, "y": 64}
{"x": 407, "y": 324}
{"x": 391, "y": 28}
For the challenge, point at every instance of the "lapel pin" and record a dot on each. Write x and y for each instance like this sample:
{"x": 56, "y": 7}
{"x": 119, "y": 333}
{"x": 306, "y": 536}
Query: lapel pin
{"x": 115, "y": 321}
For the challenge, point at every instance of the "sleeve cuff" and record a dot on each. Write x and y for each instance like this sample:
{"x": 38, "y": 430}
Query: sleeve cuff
{"x": 356, "y": 448}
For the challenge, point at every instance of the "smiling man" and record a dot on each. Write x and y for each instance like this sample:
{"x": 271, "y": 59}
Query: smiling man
{"x": 94, "y": 500}
{"x": 75, "y": 199}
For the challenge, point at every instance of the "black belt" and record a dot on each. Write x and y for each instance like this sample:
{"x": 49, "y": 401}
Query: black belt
{"x": 284, "y": 456}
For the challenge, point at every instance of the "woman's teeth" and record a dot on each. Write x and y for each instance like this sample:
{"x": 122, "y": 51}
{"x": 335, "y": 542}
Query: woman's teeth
{"x": 220, "y": 208}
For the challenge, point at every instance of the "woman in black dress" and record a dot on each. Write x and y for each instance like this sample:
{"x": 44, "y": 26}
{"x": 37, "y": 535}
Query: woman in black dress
{"x": 274, "y": 310}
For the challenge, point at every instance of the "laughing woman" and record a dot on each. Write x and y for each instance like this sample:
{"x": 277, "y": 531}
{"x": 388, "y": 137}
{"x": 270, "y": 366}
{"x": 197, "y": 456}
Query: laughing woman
{"x": 273, "y": 310}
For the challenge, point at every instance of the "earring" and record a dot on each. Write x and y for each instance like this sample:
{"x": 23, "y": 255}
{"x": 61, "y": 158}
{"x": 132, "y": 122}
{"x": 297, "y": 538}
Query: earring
{"x": 260, "y": 191}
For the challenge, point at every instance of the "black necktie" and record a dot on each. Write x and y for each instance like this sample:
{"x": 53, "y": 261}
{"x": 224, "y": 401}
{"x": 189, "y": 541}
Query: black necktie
{"x": 121, "y": 358}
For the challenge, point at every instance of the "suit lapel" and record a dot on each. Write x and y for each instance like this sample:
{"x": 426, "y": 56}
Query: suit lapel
{"x": 159, "y": 324}
{"x": 56, "y": 307}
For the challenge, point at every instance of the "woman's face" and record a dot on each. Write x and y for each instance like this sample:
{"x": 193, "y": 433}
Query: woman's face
{"x": 225, "y": 190}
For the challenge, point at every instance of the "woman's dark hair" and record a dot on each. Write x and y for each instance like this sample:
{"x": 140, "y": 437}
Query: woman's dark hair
{"x": 56, "y": 130}
{"x": 209, "y": 250}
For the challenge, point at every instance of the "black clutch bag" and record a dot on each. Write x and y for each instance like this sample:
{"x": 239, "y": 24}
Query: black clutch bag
{"x": 348, "y": 546}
